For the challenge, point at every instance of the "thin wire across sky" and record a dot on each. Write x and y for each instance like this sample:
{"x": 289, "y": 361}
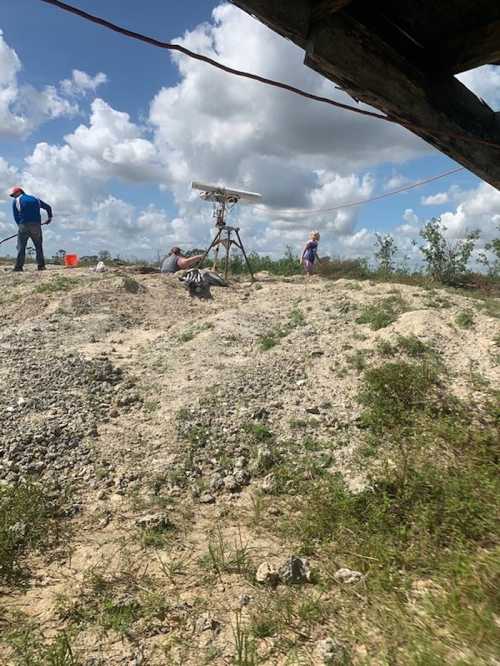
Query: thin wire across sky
{"x": 405, "y": 188}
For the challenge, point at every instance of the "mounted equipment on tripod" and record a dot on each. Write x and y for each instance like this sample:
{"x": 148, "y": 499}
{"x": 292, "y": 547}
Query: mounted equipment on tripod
{"x": 224, "y": 200}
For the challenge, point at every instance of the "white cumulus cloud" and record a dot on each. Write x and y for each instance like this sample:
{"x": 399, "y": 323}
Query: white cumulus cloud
{"x": 480, "y": 209}
{"x": 8, "y": 178}
{"x": 82, "y": 83}
{"x": 214, "y": 126}
{"x": 395, "y": 181}
{"x": 435, "y": 199}
{"x": 112, "y": 145}
{"x": 484, "y": 82}
{"x": 23, "y": 108}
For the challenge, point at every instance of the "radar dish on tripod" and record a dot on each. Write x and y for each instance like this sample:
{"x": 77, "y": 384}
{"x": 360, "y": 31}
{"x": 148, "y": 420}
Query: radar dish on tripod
{"x": 219, "y": 193}
{"x": 223, "y": 201}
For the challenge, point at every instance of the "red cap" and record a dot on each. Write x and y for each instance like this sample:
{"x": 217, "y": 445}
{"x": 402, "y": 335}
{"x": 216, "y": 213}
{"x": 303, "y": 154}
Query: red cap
{"x": 14, "y": 191}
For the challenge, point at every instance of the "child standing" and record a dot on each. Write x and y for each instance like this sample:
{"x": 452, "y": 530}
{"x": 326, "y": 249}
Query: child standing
{"x": 310, "y": 252}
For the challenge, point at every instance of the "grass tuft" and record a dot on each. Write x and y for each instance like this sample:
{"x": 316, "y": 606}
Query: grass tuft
{"x": 30, "y": 521}
{"x": 464, "y": 319}
{"x": 29, "y": 649}
{"x": 244, "y": 644}
{"x": 60, "y": 283}
{"x": 382, "y": 314}
{"x": 224, "y": 557}
{"x": 273, "y": 337}
{"x": 409, "y": 345}
{"x": 191, "y": 332}
{"x": 394, "y": 392}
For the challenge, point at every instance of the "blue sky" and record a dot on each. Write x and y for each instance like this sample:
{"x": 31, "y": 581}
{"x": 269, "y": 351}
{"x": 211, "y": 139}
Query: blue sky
{"x": 114, "y": 147}
{"x": 50, "y": 44}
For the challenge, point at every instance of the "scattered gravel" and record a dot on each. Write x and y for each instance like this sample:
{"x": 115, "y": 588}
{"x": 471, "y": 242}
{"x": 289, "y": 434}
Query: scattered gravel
{"x": 52, "y": 404}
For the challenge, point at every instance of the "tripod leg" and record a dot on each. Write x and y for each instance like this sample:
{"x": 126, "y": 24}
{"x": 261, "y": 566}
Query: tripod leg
{"x": 216, "y": 257}
{"x": 228, "y": 249}
{"x": 245, "y": 255}
{"x": 212, "y": 244}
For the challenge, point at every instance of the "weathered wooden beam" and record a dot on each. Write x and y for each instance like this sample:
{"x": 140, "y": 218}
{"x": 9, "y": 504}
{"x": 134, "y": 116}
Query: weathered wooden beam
{"x": 440, "y": 109}
{"x": 290, "y": 18}
{"x": 468, "y": 49}
{"x": 372, "y": 71}
{"x": 326, "y": 8}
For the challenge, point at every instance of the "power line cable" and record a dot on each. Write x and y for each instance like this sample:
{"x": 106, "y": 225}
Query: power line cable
{"x": 210, "y": 61}
{"x": 405, "y": 188}
{"x": 261, "y": 79}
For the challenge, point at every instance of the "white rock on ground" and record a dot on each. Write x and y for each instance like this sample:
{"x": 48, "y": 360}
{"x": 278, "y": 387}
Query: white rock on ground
{"x": 267, "y": 574}
{"x": 347, "y": 576}
{"x": 331, "y": 652}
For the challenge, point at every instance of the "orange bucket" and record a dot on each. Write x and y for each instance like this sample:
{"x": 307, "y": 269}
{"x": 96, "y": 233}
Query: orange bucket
{"x": 71, "y": 260}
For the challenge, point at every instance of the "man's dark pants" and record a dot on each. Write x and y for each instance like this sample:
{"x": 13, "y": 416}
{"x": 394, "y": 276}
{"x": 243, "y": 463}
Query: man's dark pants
{"x": 24, "y": 233}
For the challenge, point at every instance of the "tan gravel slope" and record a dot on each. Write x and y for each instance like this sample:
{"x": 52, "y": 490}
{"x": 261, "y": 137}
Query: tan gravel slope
{"x": 148, "y": 403}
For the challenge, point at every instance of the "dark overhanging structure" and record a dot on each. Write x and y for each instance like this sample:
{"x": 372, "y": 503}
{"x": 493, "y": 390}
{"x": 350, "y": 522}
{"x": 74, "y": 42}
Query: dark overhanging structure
{"x": 400, "y": 56}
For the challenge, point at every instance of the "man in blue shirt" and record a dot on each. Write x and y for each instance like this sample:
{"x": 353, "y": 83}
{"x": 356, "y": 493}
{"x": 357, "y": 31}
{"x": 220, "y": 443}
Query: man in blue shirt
{"x": 27, "y": 215}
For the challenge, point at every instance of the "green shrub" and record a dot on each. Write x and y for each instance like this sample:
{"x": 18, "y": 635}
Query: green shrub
{"x": 287, "y": 265}
{"x": 268, "y": 341}
{"x": 258, "y": 432}
{"x": 393, "y": 392}
{"x": 435, "y": 497}
{"x": 296, "y": 318}
{"x": 120, "y": 615}
{"x": 445, "y": 261}
{"x": 386, "y": 251}
{"x": 427, "y": 519}
{"x": 412, "y": 346}
{"x": 491, "y": 307}
{"x": 357, "y": 360}
{"x": 191, "y": 332}
{"x": 351, "y": 269}
{"x": 273, "y": 337}
{"x": 385, "y": 348}
{"x": 492, "y": 262}
{"x": 403, "y": 523}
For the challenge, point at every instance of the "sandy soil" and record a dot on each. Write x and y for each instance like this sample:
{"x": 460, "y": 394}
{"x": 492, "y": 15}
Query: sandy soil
{"x": 204, "y": 360}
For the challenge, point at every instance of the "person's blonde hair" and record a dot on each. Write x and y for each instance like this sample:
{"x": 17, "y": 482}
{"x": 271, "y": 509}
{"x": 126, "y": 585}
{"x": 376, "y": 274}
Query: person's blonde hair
{"x": 314, "y": 235}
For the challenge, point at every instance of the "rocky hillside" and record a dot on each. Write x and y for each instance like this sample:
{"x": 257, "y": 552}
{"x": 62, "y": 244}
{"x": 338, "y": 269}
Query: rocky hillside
{"x": 294, "y": 472}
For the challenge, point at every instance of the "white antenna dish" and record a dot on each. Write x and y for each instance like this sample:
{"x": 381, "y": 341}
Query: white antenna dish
{"x": 223, "y": 200}
{"x": 218, "y": 193}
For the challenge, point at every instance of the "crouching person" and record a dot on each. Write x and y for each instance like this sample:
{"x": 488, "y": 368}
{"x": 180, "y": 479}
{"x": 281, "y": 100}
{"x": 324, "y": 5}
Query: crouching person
{"x": 175, "y": 261}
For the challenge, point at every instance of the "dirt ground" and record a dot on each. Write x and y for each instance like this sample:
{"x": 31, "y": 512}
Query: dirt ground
{"x": 283, "y": 355}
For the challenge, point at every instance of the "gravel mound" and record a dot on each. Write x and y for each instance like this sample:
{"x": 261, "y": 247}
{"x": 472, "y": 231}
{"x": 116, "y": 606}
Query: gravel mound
{"x": 51, "y": 405}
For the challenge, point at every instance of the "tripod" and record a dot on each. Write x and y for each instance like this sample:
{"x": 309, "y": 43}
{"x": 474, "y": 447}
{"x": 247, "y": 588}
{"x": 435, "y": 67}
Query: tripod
{"x": 224, "y": 237}
{"x": 223, "y": 203}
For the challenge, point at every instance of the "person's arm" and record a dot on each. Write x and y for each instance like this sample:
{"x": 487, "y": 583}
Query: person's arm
{"x": 46, "y": 208}
{"x": 15, "y": 211}
{"x": 184, "y": 263}
{"x": 304, "y": 251}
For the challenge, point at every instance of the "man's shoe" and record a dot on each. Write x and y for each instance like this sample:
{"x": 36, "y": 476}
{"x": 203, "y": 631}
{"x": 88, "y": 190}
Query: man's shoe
{"x": 17, "y": 270}
{"x": 42, "y": 268}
